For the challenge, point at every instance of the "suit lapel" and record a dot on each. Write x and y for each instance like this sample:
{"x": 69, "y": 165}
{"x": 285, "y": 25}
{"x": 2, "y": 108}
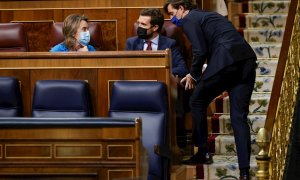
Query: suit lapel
{"x": 140, "y": 44}
{"x": 160, "y": 43}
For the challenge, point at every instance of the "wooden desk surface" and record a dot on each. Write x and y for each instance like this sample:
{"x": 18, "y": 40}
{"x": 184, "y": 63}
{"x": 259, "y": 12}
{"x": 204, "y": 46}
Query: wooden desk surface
{"x": 98, "y": 59}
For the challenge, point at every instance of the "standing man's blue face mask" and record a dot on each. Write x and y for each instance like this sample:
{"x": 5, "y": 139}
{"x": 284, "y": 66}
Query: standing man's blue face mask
{"x": 84, "y": 38}
{"x": 176, "y": 21}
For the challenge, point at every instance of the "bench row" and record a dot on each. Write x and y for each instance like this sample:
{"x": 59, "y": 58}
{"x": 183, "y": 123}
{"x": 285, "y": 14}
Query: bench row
{"x": 129, "y": 99}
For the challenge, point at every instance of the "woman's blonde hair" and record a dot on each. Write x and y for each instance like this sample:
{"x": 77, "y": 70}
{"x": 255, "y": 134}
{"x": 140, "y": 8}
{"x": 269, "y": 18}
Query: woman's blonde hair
{"x": 70, "y": 26}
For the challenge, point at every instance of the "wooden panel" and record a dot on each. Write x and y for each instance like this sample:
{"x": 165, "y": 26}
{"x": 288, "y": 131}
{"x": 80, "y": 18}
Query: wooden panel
{"x": 107, "y": 75}
{"x": 115, "y": 173}
{"x": 120, "y": 151}
{"x": 78, "y": 151}
{"x": 57, "y": 133}
{"x": 38, "y": 35}
{"x": 51, "y": 174}
{"x": 137, "y": 3}
{"x": 203, "y": 4}
{"x": 26, "y": 151}
{"x": 132, "y": 16}
{"x": 67, "y": 152}
{"x": 6, "y": 16}
{"x": 116, "y": 15}
{"x": 33, "y": 15}
{"x": 79, "y": 4}
{"x": 109, "y": 34}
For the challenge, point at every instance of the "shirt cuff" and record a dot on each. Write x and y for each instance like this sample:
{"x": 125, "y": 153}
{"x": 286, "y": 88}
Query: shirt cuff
{"x": 192, "y": 77}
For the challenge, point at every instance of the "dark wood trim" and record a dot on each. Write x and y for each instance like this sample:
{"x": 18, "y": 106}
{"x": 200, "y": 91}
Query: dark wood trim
{"x": 67, "y": 55}
{"x": 204, "y": 4}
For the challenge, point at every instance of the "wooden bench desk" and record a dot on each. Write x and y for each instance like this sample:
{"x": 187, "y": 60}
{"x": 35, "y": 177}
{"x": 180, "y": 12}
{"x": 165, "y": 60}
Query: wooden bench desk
{"x": 79, "y": 148}
{"x": 100, "y": 69}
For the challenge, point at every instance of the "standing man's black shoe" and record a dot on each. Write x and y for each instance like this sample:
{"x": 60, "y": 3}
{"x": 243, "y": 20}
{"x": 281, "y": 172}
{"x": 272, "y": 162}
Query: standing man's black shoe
{"x": 197, "y": 159}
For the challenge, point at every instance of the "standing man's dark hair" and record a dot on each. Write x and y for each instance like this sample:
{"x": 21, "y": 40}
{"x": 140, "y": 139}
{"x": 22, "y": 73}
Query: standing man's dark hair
{"x": 187, "y": 4}
{"x": 231, "y": 67}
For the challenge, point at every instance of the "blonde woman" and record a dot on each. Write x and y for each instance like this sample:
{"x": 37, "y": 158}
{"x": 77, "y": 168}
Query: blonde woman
{"x": 76, "y": 33}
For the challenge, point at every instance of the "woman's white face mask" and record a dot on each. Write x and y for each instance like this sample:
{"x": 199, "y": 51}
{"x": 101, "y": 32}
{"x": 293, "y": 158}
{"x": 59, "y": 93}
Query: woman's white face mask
{"x": 85, "y": 37}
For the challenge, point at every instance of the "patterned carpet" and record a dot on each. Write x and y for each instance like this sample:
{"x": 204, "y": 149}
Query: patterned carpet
{"x": 262, "y": 25}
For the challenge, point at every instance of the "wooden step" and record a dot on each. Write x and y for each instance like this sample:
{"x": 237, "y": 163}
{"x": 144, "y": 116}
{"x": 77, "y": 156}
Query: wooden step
{"x": 268, "y": 7}
{"x": 223, "y": 167}
{"x": 264, "y": 20}
{"x": 183, "y": 172}
{"x": 261, "y": 35}
{"x": 256, "y": 121}
{"x": 258, "y": 105}
{"x": 266, "y": 67}
{"x": 266, "y": 50}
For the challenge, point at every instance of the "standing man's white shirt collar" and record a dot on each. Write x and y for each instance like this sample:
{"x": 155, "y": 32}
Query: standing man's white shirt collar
{"x": 154, "y": 43}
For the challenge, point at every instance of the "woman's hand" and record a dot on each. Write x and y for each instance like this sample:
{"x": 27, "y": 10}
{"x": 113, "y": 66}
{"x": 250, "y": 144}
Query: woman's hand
{"x": 188, "y": 82}
{"x": 84, "y": 48}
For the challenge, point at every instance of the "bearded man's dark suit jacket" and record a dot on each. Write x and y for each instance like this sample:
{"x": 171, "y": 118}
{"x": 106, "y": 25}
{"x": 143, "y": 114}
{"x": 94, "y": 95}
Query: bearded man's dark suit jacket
{"x": 178, "y": 63}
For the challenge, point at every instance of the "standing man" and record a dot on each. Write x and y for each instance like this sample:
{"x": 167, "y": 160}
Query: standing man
{"x": 148, "y": 37}
{"x": 231, "y": 65}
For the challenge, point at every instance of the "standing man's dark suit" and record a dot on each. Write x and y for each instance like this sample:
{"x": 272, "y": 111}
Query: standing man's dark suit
{"x": 217, "y": 41}
{"x": 178, "y": 63}
{"x": 231, "y": 65}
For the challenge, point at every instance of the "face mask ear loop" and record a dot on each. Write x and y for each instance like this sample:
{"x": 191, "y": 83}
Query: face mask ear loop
{"x": 182, "y": 14}
{"x": 176, "y": 12}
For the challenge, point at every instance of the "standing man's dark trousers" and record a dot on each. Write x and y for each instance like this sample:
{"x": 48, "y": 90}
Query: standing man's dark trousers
{"x": 238, "y": 80}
